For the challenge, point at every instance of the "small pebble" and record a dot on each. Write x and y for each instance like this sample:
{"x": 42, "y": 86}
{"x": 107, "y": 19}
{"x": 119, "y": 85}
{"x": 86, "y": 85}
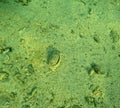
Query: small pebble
{"x": 3, "y": 76}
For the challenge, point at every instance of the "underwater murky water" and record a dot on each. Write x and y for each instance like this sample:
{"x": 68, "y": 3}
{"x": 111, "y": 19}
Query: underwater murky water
{"x": 59, "y": 53}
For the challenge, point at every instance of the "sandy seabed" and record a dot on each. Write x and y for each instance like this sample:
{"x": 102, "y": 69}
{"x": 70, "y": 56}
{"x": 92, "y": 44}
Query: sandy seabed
{"x": 59, "y": 54}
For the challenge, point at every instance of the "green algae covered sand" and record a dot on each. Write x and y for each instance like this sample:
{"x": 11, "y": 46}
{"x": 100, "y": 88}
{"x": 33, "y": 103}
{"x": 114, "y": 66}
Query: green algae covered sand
{"x": 59, "y": 53}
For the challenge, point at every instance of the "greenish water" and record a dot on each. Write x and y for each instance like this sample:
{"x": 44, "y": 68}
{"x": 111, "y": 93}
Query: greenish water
{"x": 60, "y": 54}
